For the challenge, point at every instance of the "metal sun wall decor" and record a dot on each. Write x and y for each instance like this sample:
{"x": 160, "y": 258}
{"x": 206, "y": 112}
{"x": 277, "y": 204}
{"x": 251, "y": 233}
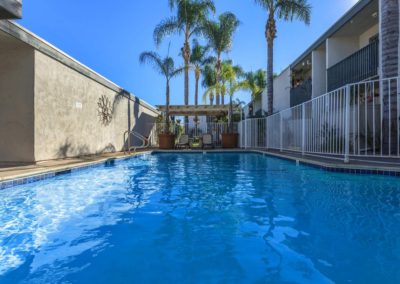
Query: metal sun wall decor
{"x": 104, "y": 110}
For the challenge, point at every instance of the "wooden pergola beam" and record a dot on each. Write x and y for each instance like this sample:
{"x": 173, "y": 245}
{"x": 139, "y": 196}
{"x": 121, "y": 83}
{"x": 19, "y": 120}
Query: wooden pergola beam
{"x": 199, "y": 110}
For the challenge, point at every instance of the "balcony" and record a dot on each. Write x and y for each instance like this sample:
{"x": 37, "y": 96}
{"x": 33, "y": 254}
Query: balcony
{"x": 357, "y": 67}
{"x": 301, "y": 93}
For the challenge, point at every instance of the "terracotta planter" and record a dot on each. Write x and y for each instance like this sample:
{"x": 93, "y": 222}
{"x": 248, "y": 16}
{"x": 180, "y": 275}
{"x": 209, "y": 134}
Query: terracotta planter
{"x": 166, "y": 141}
{"x": 230, "y": 140}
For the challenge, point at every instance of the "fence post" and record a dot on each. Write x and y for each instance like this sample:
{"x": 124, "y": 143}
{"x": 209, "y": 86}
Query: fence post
{"x": 281, "y": 133}
{"x": 266, "y": 133}
{"x": 347, "y": 126}
{"x": 245, "y": 134}
{"x": 303, "y": 129}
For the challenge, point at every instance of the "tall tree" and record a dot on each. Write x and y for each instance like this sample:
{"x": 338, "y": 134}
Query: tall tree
{"x": 390, "y": 68}
{"x": 198, "y": 60}
{"x": 287, "y": 10}
{"x": 256, "y": 83}
{"x": 230, "y": 76}
{"x": 209, "y": 80}
{"x": 220, "y": 36}
{"x": 227, "y": 68}
{"x": 166, "y": 67}
{"x": 189, "y": 19}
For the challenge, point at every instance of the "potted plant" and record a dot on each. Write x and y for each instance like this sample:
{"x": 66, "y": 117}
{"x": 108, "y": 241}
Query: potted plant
{"x": 229, "y": 75}
{"x": 166, "y": 67}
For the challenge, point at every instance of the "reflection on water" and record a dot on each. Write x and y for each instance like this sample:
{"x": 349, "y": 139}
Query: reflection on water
{"x": 186, "y": 218}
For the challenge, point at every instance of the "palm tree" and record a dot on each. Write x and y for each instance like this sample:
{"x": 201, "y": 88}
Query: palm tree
{"x": 228, "y": 85}
{"x": 256, "y": 83}
{"x": 287, "y": 10}
{"x": 209, "y": 80}
{"x": 220, "y": 35}
{"x": 198, "y": 59}
{"x": 189, "y": 19}
{"x": 226, "y": 69}
{"x": 390, "y": 68}
{"x": 166, "y": 67}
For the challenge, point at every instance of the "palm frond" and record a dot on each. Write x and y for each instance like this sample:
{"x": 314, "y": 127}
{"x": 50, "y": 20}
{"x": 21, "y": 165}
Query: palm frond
{"x": 294, "y": 9}
{"x": 177, "y": 72}
{"x": 265, "y": 4}
{"x": 149, "y": 57}
{"x": 220, "y": 33}
{"x": 165, "y": 28}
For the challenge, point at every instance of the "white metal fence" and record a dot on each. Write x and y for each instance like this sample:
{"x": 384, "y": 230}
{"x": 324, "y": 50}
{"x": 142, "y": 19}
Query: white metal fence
{"x": 253, "y": 133}
{"x": 359, "y": 119}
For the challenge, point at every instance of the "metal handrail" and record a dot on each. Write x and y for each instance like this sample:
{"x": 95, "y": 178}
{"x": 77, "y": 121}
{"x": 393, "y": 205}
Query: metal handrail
{"x": 145, "y": 141}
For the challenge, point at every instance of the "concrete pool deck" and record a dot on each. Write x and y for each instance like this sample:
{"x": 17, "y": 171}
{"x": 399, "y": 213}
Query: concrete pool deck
{"x": 382, "y": 166}
{"x": 12, "y": 172}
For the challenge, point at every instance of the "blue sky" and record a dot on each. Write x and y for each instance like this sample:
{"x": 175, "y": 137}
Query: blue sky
{"x": 108, "y": 36}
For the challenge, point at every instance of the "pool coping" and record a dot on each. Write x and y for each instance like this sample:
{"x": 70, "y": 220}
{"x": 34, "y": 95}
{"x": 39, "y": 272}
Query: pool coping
{"x": 42, "y": 174}
{"x": 37, "y": 175}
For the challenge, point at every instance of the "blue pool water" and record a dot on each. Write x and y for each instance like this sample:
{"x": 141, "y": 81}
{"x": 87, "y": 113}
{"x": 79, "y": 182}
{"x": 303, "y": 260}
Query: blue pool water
{"x": 194, "y": 218}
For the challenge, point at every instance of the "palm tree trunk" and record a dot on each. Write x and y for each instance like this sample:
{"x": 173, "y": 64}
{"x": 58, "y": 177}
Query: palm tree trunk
{"x": 186, "y": 58}
{"x": 218, "y": 71}
{"x": 167, "y": 109}
{"x": 196, "y": 94}
{"x": 390, "y": 68}
{"x": 211, "y": 99}
{"x": 222, "y": 98}
{"x": 270, "y": 77}
{"x": 270, "y": 35}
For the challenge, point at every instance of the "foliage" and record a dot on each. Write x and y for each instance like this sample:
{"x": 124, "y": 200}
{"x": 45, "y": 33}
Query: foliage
{"x": 287, "y": 10}
{"x": 256, "y": 83}
{"x": 189, "y": 21}
{"x": 166, "y": 67}
{"x": 209, "y": 80}
{"x": 220, "y": 37}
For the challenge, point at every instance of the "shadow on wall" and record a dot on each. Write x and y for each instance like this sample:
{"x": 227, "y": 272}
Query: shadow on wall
{"x": 68, "y": 150}
{"x": 136, "y": 121}
{"x": 143, "y": 122}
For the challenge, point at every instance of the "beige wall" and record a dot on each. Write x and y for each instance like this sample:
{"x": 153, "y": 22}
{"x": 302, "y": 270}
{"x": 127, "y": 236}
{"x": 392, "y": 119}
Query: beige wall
{"x": 282, "y": 86}
{"x": 318, "y": 72}
{"x": 16, "y": 103}
{"x": 338, "y": 48}
{"x": 66, "y": 113}
{"x": 364, "y": 38}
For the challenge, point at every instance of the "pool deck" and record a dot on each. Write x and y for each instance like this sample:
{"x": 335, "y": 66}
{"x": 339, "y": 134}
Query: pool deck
{"x": 12, "y": 172}
{"x": 376, "y": 165}
{"x": 360, "y": 165}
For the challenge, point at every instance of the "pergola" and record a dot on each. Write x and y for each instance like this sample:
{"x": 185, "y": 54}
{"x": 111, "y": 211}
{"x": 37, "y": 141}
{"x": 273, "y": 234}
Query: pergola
{"x": 199, "y": 110}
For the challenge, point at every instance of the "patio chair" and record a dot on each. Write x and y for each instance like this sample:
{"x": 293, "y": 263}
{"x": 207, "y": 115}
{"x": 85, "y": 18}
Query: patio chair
{"x": 183, "y": 142}
{"x": 207, "y": 141}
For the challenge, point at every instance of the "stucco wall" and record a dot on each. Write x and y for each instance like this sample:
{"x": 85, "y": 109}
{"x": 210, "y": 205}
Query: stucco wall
{"x": 364, "y": 37}
{"x": 338, "y": 48}
{"x": 281, "y": 92}
{"x": 66, "y": 113}
{"x": 16, "y": 103}
{"x": 319, "y": 74}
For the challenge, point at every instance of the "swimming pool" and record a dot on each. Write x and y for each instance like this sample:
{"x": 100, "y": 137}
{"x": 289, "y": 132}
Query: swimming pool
{"x": 173, "y": 218}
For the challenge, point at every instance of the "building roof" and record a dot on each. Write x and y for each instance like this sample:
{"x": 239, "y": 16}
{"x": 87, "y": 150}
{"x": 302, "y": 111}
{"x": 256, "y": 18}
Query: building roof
{"x": 359, "y": 6}
{"x": 10, "y": 9}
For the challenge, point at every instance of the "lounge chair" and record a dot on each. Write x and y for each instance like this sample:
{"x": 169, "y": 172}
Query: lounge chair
{"x": 207, "y": 141}
{"x": 183, "y": 142}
